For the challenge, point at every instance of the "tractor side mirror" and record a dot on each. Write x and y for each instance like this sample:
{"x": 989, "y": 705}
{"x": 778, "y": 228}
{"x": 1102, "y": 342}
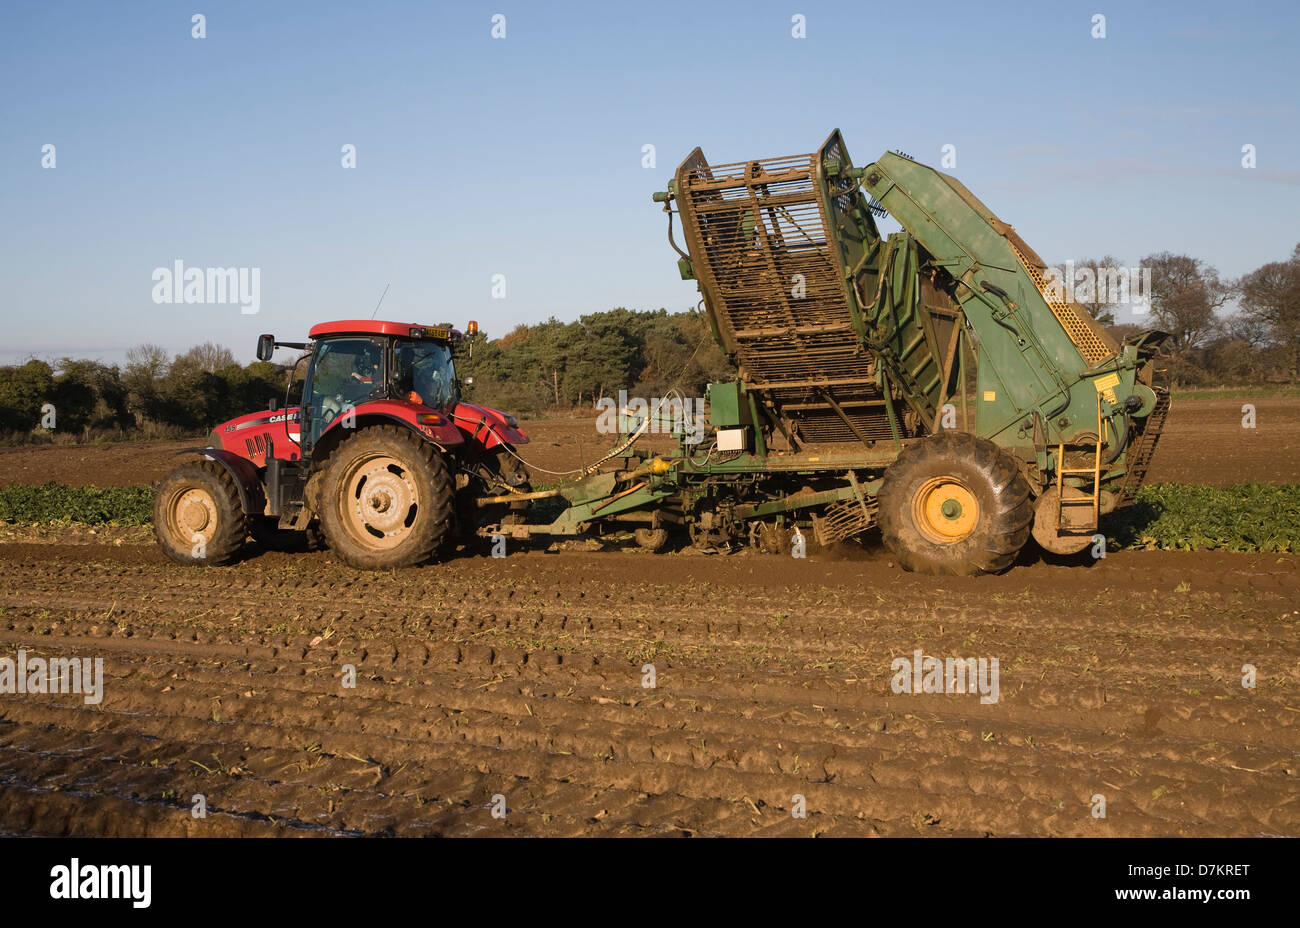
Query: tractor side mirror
{"x": 265, "y": 347}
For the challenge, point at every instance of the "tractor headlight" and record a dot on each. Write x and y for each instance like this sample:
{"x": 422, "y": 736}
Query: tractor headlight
{"x": 512, "y": 422}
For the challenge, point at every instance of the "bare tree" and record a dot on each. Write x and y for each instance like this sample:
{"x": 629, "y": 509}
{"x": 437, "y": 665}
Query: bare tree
{"x": 1185, "y": 295}
{"x": 1270, "y": 298}
{"x": 1101, "y": 297}
{"x": 209, "y": 357}
{"x": 148, "y": 360}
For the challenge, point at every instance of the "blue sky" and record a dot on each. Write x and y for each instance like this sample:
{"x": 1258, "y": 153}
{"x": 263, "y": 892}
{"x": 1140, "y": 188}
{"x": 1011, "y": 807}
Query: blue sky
{"x": 522, "y": 156}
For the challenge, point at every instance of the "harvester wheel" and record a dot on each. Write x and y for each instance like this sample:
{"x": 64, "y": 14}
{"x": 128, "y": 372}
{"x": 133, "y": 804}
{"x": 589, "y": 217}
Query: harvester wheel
{"x": 955, "y": 504}
{"x": 652, "y": 539}
{"x": 197, "y": 516}
{"x": 388, "y": 499}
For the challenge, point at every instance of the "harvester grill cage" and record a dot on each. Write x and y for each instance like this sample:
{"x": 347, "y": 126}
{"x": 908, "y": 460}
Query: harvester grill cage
{"x": 771, "y": 279}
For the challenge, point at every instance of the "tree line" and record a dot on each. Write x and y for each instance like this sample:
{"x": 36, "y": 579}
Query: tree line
{"x": 554, "y": 364}
{"x": 530, "y": 369}
{"x": 1257, "y": 343}
{"x": 152, "y": 395}
{"x": 573, "y": 364}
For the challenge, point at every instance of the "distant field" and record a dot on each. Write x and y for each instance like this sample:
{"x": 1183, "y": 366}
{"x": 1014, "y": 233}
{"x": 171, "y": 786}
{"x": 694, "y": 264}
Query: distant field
{"x": 1279, "y": 391}
{"x": 1203, "y": 442}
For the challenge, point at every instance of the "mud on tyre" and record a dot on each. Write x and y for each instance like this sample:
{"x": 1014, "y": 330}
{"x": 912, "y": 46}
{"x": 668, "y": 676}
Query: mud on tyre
{"x": 955, "y": 504}
{"x": 197, "y": 515}
{"x": 387, "y": 499}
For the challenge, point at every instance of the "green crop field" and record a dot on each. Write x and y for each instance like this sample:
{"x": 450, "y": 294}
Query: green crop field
{"x": 1166, "y": 516}
{"x": 55, "y": 502}
{"x": 1193, "y": 517}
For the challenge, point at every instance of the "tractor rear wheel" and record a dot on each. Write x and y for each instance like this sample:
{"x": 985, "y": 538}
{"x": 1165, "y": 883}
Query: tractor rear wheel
{"x": 955, "y": 504}
{"x": 387, "y": 499}
{"x": 197, "y": 515}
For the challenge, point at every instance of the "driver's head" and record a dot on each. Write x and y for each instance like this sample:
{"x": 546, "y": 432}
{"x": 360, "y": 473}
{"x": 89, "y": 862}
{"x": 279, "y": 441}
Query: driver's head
{"x": 365, "y": 363}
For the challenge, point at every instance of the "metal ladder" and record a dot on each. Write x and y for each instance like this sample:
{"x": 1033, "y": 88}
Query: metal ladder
{"x": 1093, "y": 498}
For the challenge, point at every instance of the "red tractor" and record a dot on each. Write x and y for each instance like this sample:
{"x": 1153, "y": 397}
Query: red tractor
{"x": 377, "y": 452}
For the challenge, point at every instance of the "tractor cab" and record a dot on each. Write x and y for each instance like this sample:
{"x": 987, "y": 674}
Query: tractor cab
{"x": 351, "y": 364}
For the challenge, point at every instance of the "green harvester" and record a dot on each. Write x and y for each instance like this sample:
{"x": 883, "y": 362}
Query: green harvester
{"x": 928, "y": 383}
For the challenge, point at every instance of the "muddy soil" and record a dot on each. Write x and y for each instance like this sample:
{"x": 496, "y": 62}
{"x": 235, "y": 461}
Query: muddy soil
{"x": 523, "y": 678}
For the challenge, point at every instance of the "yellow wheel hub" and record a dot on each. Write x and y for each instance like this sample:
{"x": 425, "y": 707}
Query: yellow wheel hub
{"x": 945, "y": 510}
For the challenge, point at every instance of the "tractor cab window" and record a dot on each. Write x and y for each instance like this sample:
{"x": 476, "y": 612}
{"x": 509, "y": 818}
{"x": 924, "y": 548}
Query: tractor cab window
{"x": 297, "y": 379}
{"x": 347, "y": 372}
{"x": 425, "y": 368}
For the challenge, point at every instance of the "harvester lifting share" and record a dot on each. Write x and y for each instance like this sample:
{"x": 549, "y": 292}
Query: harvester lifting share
{"x": 927, "y": 381}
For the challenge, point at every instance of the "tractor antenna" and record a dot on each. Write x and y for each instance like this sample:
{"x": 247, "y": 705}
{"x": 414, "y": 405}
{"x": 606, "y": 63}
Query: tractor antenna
{"x": 381, "y": 300}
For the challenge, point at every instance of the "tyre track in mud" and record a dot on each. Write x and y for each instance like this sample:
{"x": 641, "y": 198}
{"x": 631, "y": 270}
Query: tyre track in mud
{"x": 523, "y": 677}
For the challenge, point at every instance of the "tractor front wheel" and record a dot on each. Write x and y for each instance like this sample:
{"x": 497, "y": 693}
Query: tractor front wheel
{"x": 387, "y": 499}
{"x": 197, "y": 516}
{"x": 955, "y": 504}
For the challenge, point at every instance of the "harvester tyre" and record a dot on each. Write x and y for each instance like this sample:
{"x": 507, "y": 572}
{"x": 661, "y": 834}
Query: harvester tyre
{"x": 653, "y": 540}
{"x": 955, "y": 504}
{"x": 197, "y": 515}
{"x": 387, "y": 500}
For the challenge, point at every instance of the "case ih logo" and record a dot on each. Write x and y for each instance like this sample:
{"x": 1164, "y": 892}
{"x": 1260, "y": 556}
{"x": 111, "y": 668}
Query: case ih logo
{"x": 269, "y": 420}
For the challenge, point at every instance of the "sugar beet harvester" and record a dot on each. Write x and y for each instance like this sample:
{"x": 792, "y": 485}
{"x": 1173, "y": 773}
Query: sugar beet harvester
{"x": 928, "y": 382}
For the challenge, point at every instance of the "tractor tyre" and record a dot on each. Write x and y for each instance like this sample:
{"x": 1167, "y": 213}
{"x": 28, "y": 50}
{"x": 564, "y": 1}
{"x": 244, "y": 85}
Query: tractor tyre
{"x": 387, "y": 500}
{"x": 197, "y": 515}
{"x": 955, "y": 504}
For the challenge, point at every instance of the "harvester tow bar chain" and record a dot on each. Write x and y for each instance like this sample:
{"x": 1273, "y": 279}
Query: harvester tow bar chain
{"x": 590, "y": 468}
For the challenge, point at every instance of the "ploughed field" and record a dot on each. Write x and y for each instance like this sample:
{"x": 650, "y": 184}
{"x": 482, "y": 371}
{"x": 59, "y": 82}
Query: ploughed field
{"x": 524, "y": 678}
